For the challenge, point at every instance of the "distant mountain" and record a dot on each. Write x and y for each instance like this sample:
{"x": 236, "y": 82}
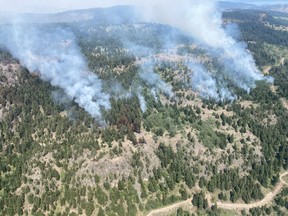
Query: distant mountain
{"x": 279, "y": 8}
{"x": 112, "y": 15}
{"x": 227, "y": 5}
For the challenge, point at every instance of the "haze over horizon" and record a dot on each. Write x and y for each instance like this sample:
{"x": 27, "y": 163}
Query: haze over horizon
{"x": 54, "y": 6}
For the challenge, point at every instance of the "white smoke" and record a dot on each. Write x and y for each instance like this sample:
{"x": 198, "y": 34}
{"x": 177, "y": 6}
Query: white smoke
{"x": 203, "y": 82}
{"x": 201, "y": 20}
{"x": 142, "y": 101}
{"x": 154, "y": 81}
{"x": 55, "y": 56}
{"x": 146, "y": 73}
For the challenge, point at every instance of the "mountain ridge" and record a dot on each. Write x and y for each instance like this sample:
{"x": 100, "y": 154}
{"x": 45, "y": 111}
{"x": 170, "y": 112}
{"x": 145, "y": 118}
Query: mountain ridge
{"x": 116, "y": 15}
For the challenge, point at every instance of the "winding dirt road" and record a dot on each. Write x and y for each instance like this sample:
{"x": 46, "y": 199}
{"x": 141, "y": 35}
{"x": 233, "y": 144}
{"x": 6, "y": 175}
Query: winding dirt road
{"x": 171, "y": 208}
{"x": 267, "y": 199}
{"x": 229, "y": 206}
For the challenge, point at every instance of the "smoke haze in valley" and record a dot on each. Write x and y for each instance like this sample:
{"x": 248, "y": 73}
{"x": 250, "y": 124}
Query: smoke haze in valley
{"x": 54, "y": 54}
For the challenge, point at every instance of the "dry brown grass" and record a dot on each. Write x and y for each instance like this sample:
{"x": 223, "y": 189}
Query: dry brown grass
{"x": 10, "y": 73}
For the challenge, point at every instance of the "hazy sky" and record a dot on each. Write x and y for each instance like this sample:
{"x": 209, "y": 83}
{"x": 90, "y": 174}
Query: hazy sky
{"x": 50, "y": 6}
{"x": 261, "y": 1}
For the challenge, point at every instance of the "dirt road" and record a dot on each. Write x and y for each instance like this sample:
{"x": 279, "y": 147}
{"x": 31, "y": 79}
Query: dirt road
{"x": 229, "y": 206}
{"x": 170, "y": 209}
{"x": 267, "y": 199}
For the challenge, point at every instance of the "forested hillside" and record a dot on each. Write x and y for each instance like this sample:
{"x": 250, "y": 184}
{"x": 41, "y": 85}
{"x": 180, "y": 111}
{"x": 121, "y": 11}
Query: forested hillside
{"x": 55, "y": 159}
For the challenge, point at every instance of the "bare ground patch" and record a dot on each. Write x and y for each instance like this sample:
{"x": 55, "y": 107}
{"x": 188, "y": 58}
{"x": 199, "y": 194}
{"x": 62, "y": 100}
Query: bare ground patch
{"x": 9, "y": 74}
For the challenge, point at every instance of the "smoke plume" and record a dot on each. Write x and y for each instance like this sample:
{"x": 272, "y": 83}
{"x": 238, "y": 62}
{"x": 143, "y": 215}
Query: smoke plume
{"x": 54, "y": 55}
{"x": 201, "y": 20}
{"x": 203, "y": 82}
{"x": 154, "y": 81}
{"x": 142, "y": 101}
